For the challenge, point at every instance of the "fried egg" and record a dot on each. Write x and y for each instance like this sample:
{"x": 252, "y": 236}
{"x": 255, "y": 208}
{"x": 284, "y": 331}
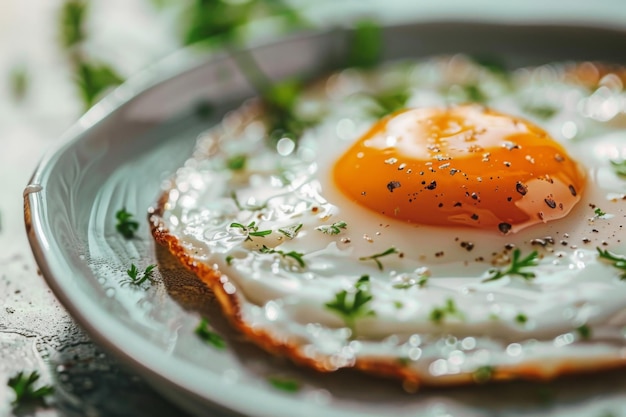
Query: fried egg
{"x": 471, "y": 233}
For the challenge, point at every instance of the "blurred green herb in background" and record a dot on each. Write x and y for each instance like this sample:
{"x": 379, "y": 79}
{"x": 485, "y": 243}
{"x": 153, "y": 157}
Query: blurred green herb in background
{"x": 92, "y": 78}
{"x": 19, "y": 82}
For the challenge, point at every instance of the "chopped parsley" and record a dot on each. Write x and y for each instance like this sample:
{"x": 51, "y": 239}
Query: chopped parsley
{"x": 366, "y": 45}
{"x": 241, "y": 207}
{"x": 204, "y": 332}
{"x": 483, "y": 374}
{"x": 19, "y": 82}
{"x": 332, "y": 229}
{"x": 584, "y": 331}
{"x": 521, "y": 318}
{"x": 229, "y": 260}
{"x": 297, "y": 256}
{"x": 136, "y": 278}
{"x": 598, "y": 212}
{"x": 517, "y": 267}
{"x": 491, "y": 63}
{"x": 618, "y": 261}
{"x": 237, "y": 162}
{"x": 438, "y": 314}
{"x": 619, "y": 167}
{"x": 405, "y": 284}
{"x": 291, "y": 231}
{"x": 126, "y": 226}
{"x": 474, "y": 93}
{"x": 251, "y": 230}
{"x": 544, "y": 112}
{"x": 375, "y": 257}
{"x": 25, "y": 392}
{"x": 284, "y": 384}
{"x": 353, "y": 304}
{"x": 388, "y": 102}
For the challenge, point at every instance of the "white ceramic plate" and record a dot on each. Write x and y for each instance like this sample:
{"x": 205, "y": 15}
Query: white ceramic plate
{"x": 118, "y": 154}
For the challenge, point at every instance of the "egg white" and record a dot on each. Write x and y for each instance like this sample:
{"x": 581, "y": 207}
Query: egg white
{"x": 508, "y": 322}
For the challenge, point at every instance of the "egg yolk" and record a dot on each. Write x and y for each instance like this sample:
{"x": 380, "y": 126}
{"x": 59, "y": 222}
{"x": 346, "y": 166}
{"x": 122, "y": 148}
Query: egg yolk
{"x": 464, "y": 165}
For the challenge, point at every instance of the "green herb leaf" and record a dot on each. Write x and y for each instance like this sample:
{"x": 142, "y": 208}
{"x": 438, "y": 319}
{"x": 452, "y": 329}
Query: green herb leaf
{"x": 251, "y": 230}
{"x": 125, "y": 225}
{"x": 332, "y": 229}
{"x": 389, "y": 102}
{"x": 249, "y": 207}
{"x": 354, "y": 304}
{"x": 584, "y": 331}
{"x": 366, "y": 45}
{"x": 229, "y": 259}
{"x": 73, "y": 14}
{"x": 204, "y": 332}
{"x": 483, "y": 374}
{"x": 492, "y": 63}
{"x": 19, "y": 82}
{"x": 25, "y": 392}
{"x": 618, "y": 261}
{"x": 375, "y": 257}
{"x": 284, "y": 384}
{"x": 438, "y": 314}
{"x": 136, "y": 278}
{"x": 291, "y": 231}
{"x": 474, "y": 93}
{"x": 544, "y": 112}
{"x": 598, "y": 212}
{"x": 94, "y": 79}
{"x": 521, "y": 318}
{"x": 296, "y": 256}
{"x": 237, "y": 162}
{"x": 619, "y": 167}
{"x": 517, "y": 267}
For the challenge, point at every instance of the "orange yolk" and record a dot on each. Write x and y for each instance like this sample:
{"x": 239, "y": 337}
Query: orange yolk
{"x": 463, "y": 165}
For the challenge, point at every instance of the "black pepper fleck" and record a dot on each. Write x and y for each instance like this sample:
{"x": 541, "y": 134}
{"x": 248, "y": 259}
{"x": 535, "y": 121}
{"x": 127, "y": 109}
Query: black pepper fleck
{"x": 467, "y": 245}
{"x": 432, "y": 185}
{"x": 550, "y": 202}
{"x": 521, "y": 188}
{"x": 504, "y": 227}
{"x": 393, "y": 185}
{"x": 572, "y": 190}
{"x": 474, "y": 216}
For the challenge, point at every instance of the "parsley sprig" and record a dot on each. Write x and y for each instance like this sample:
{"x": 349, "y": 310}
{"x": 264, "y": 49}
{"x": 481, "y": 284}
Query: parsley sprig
{"x": 332, "y": 229}
{"x": 92, "y": 78}
{"x": 375, "y": 257}
{"x": 136, "y": 278}
{"x": 618, "y": 261}
{"x": 354, "y": 304}
{"x": 237, "y": 162}
{"x": 251, "y": 230}
{"x": 544, "y": 111}
{"x": 291, "y": 231}
{"x": 517, "y": 267}
{"x": 296, "y": 256}
{"x": 25, "y": 392}
{"x": 126, "y": 226}
{"x": 449, "y": 309}
{"x": 619, "y": 167}
{"x": 204, "y": 332}
{"x": 249, "y": 207}
{"x": 284, "y": 384}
